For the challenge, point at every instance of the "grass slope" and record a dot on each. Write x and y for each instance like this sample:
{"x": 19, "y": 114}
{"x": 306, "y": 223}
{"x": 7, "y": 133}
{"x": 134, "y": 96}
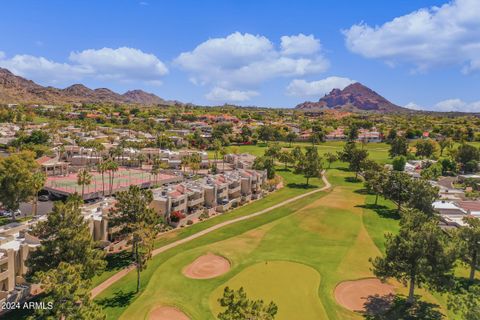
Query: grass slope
{"x": 325, "y": 233}
{"x": 293, "y": 286}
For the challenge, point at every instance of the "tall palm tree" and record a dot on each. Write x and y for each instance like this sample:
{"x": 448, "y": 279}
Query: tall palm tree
{"x": 112, "y": 168}
{"x": 223, "y": 153}
{"x": 102, "y": 167}
{"x": 217, "y": 145}
{"x": 37, "y": 183}
{"x": 84, "y": 178}
{"x": 141, "y": 158}
{"x": 155, "y": 169}
{"x": 185, "y": 162}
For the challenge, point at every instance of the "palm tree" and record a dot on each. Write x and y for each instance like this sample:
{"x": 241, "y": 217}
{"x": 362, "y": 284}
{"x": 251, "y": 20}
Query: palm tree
{"x": 112, "y": 168}
{"x": 102, "y": 168}
{"x": 155, "y": 169}
{"x": 223, "y": 153}
{"x": 195, "y": 161}
{"x": 84, "y": 178}
{"x": 185, "y": 162}
{"x": 217, "y": 146}
{"x": 38, "y": 181}
{"x": 141, "y": 158}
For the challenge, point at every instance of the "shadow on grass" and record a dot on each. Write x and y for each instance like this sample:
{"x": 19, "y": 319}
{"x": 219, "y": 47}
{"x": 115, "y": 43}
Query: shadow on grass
{"x": 284, "y": 170}
{"x": 363, "y": 192}
{"x": 301, "y": 186}
{"x": 119, "y": 299}
{"x": 462, "y": 283}
{"x": 391, "y": 307}
{"x": 353, "y": 179}
{"x": 117, "y": 261}
{"x": 382, "y": 211}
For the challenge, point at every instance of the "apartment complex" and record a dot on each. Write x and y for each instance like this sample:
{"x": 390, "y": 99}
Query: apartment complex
{"x": 214, "y": 193}
{"x": 15, "y": 245}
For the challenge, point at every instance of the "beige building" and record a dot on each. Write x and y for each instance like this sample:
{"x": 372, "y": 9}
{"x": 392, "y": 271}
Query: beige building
{"x": 15, "y": 245}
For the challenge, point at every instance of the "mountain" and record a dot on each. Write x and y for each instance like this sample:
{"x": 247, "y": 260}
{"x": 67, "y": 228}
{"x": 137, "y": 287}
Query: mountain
{"x": 355, "y": 97}
{"x": 15, "y": 89}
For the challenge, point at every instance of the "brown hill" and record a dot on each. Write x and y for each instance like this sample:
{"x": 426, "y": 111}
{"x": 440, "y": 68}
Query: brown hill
{"x": 15, "y": 89}
{"x": 355, "y": 97}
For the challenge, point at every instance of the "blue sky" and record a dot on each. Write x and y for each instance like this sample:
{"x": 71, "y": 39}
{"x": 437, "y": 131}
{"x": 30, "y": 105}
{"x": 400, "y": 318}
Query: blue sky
{"x": 270, "y": 53}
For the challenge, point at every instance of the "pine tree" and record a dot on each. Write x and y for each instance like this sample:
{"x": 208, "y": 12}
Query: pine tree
{"x": 68, "y": 295}
{"x": 417, "y": 255}
{"x": 137, "y": 222}
{"x": 65, "y": 237}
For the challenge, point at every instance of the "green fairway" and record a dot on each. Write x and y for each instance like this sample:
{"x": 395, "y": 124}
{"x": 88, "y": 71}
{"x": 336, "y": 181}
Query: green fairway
{"x": 377, "y": 151}
{"x": 310, "y": 245}
{"x": 292, "y": 285}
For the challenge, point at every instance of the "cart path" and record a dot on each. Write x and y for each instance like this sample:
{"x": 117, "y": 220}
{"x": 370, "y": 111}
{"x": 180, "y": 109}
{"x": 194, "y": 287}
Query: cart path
{"x": 119, "y": 275}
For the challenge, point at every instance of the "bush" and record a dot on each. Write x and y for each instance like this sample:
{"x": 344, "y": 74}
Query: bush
{"x": 176, "y": 216}
{"x": 189, "y": 222}
{"x": 399, "y": 163}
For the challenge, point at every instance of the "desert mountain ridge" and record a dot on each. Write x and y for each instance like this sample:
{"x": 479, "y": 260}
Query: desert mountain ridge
{"x": 355, "y": 98}
{"x": 16, "y": 89}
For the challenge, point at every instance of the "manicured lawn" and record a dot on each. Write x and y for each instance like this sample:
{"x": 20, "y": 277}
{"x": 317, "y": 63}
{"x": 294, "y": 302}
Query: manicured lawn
{"x": 377, "y": 151}
{"x": 293, "y": 187}
{"x": 327, "y": 238}
{"x": 291, "y": 285}
{"x": 325, "y": 233}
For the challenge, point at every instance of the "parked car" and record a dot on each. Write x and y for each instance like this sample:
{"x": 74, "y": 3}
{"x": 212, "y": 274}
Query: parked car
{"x": 43, "y": 197}
{"x": 7, "y": 213}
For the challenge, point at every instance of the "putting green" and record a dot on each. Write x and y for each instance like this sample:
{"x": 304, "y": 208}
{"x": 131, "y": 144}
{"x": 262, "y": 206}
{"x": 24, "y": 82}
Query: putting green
{"x": 293, "y": 287}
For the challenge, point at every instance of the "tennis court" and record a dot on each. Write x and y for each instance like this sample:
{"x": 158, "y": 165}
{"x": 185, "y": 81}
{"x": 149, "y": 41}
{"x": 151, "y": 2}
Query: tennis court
{"x": 123, "y": 178}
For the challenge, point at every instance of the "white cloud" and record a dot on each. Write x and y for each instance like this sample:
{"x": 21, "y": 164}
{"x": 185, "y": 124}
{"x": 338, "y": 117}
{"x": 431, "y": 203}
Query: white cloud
{"x": 302, "y": 88}
{"x": 122, "y": 64}
{"x": 413, "y": 106}
{"x": 445, "y": 35}
{"x": 241, "y": 62}
{"x": 44, "y": 70}
{"x": 448, "y": 105}
{"x": 451, "y": 105}
{"x": 300, "y": 44}
{"x": 224, "y": 95}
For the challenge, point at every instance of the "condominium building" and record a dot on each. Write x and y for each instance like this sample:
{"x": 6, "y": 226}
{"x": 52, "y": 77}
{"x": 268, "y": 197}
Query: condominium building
{"x": 15, "y": 245}
{"x": 218, "y": 192}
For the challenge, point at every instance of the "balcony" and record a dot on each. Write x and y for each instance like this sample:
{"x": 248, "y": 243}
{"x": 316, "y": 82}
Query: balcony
{"x": 234, "y": 190}
{"x": 195, "y": 202}
{"x": 4, "y": 275}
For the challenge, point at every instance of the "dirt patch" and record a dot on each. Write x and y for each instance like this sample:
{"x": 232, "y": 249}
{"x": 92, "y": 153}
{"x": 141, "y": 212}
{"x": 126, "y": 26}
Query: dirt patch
{"x": 206, "y": 267}
{"x": 353, "y": 294}
{"x": 167, "y": 313}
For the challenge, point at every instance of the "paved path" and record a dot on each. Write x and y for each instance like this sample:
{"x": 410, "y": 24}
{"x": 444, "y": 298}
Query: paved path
{"x": 107, "y": 283}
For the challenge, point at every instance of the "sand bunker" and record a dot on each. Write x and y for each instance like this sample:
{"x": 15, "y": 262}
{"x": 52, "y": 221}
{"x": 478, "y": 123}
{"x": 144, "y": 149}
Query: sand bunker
{"x": 353, "y": 294}
{"x": 206, "y": 267}
{"x": 167, "y": 313}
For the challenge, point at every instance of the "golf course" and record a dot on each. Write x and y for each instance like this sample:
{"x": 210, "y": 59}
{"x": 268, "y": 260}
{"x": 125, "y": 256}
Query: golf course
{"x": 295, "y": 254}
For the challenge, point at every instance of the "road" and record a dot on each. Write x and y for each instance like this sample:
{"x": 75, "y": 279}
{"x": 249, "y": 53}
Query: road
{"x": 43, "y": 208}
{"x": 119, "y": 275}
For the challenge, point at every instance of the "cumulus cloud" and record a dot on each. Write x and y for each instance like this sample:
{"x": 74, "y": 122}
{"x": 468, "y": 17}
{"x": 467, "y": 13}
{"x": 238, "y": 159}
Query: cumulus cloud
{"x": 224, "y": 95}
{"x": 302, "y": 88}
{"x": 413, "y": 106}
{"x": 428, "y": 37}
{"x": 122, "y": 64}
{"x": 448, "y": 105}
{"x": 299, "y": 44}
{"x": 451, "y": 105}
{"x": 241, "y": 62}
